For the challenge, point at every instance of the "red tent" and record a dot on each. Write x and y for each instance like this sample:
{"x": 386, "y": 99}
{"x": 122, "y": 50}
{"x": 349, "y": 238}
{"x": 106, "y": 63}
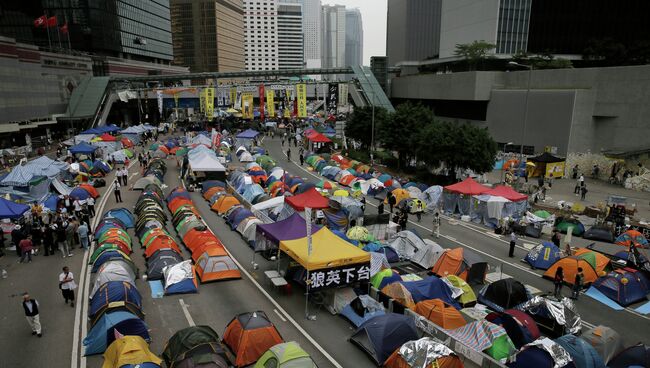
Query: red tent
{"x": 126, "y": 142}
{"x": 107, "y": 137}
{"x": 468, "y": 186}
{"x": 507, "y": 193}
{"x": 310, "y": 198}
{"x": 318, "y": 137}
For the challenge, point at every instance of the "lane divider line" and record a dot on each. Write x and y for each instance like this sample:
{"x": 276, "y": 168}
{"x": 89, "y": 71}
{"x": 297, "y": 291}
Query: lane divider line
{"x": 186, "y": 312}
{"x": 280, "y": 315}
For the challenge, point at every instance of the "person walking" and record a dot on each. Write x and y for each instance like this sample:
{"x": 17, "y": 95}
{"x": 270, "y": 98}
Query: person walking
{"x": 16, "y": 236}
{"x": 436, "y": 225}
{"x": 380, "y": 208}
{"x": 391, "y": 201}
{"x": 583, "y": 193}
{"x": 125, "y": 175}
{"x": 513, "y": 242}
{"x": 117, "y": 192}
{"x": 61, "y": 238}
{"x": 302, "y": 159}
{"x": 576, "y": 189}
{"x": 77, "y": 207}
{"x": 577, "y": 284}
{"x": 48, "y": 240}
{"x": 31, "y": 314}
{"x": 289, "y": 154}
{"x": 70, "y": 232}
{"x": 82, "y": 231}
{"x": 67, "y": 285}
{"x": 555, "y": 239}
{"x": 118, "y": 176}
{"x": 418, "y": 210}
{"x": 558, "y": 280}
{"x": 26, "y": 247}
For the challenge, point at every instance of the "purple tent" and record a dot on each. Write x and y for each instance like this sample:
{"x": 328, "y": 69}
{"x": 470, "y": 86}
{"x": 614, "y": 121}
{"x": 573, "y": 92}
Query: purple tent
{"x": 269, "y": 236}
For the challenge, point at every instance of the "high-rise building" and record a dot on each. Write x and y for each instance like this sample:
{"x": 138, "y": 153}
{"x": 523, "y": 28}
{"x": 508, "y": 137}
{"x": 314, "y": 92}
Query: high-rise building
{"x": 311, "y": 28}
{"x": 261, "y": 34}
{"x": 333, "y": 36}
{"x": 208, "y": 35}
{"x": 138, "y": 30}
{"x": 290, "y": 36}
{"x": 353, "y": 37}
{"x": 413, "y": 30}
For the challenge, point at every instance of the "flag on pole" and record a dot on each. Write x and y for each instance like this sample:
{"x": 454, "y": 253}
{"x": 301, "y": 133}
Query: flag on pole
{"x": 40, "y": 21}
{"x": 51, "y": 21}
{"x": 261, "y": 94}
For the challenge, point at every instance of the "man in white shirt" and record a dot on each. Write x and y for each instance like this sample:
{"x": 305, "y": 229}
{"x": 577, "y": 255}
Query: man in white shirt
{"x": 31, "y": 314}
{"x": 77, "y": 207}
{"x": 67, "y": 285}
{"x": 125, "y": 176}
{"x": 90, "y": 202}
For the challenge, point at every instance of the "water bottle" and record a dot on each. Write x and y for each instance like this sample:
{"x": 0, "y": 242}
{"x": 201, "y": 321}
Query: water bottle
{"x": 4, "y": 274}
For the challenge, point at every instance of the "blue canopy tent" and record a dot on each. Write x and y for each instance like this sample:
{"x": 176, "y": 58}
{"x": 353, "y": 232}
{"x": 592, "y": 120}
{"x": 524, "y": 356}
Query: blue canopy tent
{"x": 102, "y": 166}
{"x": 248, "y": 134}
{"x": 380, "y": 336}
{"x": 269, "y": 236}
{"x": 20, "y": 176}
{"x": 103, "y": 332}
{"x": 543, "y": 256}
{"x": 11, "y": 210}
{"x": 111, "y": 292}
{"x": 431, "y": 288}
{"x": 123, "y": 215}
{"x": 583, "y": 354}
{"x": 82, "y": 148}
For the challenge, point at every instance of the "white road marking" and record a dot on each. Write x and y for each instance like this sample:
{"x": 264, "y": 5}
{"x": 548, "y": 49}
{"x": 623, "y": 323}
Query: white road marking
{"x": 450, "y": 238}
{"x": 276, "y": 304}
{"x": 280, "y": 315}
{"x": 186, "y": 312}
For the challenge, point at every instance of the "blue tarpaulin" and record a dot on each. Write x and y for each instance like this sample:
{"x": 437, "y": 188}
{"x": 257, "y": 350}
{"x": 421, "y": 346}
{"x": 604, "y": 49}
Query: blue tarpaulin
{"x": 82, "y": 148}
{"x": 11, "y": 210}
{"x": 248, "y": 134}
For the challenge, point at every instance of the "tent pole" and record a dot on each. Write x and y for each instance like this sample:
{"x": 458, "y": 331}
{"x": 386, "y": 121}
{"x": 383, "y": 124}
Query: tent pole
{"x": 307, "y": 297}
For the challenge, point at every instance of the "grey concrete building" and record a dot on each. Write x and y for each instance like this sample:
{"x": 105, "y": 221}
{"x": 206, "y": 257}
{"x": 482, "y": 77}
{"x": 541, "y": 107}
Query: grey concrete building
{"x": 333, "y": 36}
{"x": 290, "y": 36}
{"x": 353, "y": 37}
{"x": 575, "y": 110}
{"x": 413, "y": 30}
{"x": 208, "y": 35}
{"x": 261, "y": 34}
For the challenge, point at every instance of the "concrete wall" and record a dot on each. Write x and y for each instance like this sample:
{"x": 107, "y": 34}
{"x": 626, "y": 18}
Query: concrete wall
{"x": 473, "y": 86}
{"x": 463, "y": 20}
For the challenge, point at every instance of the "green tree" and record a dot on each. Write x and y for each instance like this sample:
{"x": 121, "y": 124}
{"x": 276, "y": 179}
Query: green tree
{"x": 474, "y": 52}
{"x": 359, "y": 125}
{"x": 545, "y": 60}
{"x": 401, "y": 132}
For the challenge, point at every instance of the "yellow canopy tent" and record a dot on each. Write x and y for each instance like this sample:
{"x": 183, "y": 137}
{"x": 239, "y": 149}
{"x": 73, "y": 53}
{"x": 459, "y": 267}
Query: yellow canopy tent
{"x": 328, "y": 251}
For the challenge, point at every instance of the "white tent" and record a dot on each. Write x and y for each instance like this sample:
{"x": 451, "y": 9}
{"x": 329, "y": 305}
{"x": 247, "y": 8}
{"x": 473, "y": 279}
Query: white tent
{"x": 494, "y": 205}
{"x": 246, "y": 157}
{"x": 206, "y": 162}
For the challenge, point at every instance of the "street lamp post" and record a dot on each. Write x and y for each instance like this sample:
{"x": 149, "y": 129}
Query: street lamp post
{"x": 372, "y": 135}
{"x": 523, "y": 130}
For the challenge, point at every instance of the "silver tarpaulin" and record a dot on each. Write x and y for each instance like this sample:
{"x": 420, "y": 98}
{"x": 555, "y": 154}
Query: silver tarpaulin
{"x": 423, "y": 352}
{"x": 560, "y": 356}
{"x": 563, "y": 311}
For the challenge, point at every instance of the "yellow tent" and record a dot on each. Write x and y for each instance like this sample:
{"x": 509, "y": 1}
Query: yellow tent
{"x": 328, "y": 251}
{"x": 129, "y": 350}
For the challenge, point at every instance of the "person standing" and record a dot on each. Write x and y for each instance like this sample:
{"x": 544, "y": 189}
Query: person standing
{"x": 577, "y": 284}
{"x": 513, "y": 242}
{"x": 117, "y": 192}
{"x": 31, "y": 314}
{"x": 70, "y": 232}
{"x": 82, "y": 231}
{"x": 125, "y": 175}
{"x": 90, "y": 203}
{"x": 67, "y": 285}
{"x": 302, "y": 159}
{"x": 289, "y": 154}
{"x": 16, "y": 236}
{"x": 558, "y": 280}
{"x": 418, "y": 210}
{"x": 583, "y": 193}
{"x": 391, "y": 201}
{"x": 118, "y": 176}
{"x": 48, "y": 240}
{"x": 77, "y": 207}
{"x": 61, "y": 238}
{"x": 436, "y": 225}
{"x": 555, "y": 239}
{"x": 26, "y": 247}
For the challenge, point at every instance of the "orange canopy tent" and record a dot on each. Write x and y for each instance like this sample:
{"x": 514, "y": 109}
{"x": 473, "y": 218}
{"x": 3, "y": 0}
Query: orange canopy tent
{"x": 440, "y": 313}
{"x": 570, "y": 267}
{"x": 311, "y": 198}
{"x": 107, "y": 138}
{"x": 249, "y": 335}
{"x": 126, "y": 142}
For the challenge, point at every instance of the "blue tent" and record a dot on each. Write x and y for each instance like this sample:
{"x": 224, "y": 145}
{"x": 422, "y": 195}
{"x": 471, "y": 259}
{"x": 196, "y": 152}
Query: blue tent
{"x": 380, "y": 336}
{"x": 531, "y": 356}
{"x": 105, "y": 257}
{"x": 583, "y": 354}
{"x": 624, "y": 292}
{"x": 11, "y": 210}
{"x": 431, "y": 288}
{"x": 79, "y": 193}
{"x": 103, "y": 332}
{"x": 362, "y": 309}
{"x": 107, "y": 224}
{"x": 176, "y": 194}
{"x": 102, "y": 166}
{"x": 123, "y": 215}
{"x": 543, "y": 256}
{"x": 248, "y": 134}
{"x": 51, "y": 202}
{"x": 82, "y": 148}
{"x": 390, "y": 253}
{"x": 238, "y": 216}
{"x": 211, "y": 184}
{"x": 114, "y": 291}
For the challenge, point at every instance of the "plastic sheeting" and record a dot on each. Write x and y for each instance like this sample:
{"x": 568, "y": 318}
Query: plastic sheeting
{"x": 423, "y": 353}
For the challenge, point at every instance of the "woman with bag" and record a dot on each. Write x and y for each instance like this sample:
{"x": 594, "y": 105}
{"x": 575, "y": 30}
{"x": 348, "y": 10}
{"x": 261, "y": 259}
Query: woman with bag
{"x": 67, "y": 285}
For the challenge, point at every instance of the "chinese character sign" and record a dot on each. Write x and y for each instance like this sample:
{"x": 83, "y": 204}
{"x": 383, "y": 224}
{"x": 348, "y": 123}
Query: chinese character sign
{"x": 343, "y": 94}
{"x": 301, "y": 92}
{"x": 202, "y": 100}
{"x": 270, "y": 103}
{"x": 332, "y": 97}
{"x": 261, "y": 94}
{"x": 209, "y": 102}
{"x": 340, "y": 276}
{"x": 233, "y": 96}
{"x": 247, "y": 105}
{"x": 288, "y": 103}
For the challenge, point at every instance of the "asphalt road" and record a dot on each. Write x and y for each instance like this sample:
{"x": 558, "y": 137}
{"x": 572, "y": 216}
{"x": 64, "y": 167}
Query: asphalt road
{"x": 631, "y": 325}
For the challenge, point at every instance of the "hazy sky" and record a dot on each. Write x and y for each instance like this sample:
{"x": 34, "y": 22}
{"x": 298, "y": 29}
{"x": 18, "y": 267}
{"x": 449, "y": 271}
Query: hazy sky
{"x": 373, "y": 14}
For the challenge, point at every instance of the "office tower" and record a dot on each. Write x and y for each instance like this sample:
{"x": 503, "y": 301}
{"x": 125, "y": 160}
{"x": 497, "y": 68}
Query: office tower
{"x": 412, "y": 30}
{"x": 290, "y": 36}
{"x": 261, "y": 34}
{"x": 333, "y": 36}
{"x": 353, "y": 37}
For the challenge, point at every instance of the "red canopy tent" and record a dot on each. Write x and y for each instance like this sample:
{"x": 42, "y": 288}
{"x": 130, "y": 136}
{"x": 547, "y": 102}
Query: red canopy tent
{"x": 107, "y": 138}
{"x": 318, "y": 137}
{"x": 310, "y": 198}
{"x": 507, "y": 193}
{"x": 468, "y": 186}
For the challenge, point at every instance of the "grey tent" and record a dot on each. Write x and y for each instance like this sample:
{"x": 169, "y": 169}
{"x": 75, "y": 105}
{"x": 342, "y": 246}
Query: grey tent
{"x": 114, "y": 270}
{"x": 159, "y": 260}
{"x": 410, "y": 246}
{"x": 606, "y": 341}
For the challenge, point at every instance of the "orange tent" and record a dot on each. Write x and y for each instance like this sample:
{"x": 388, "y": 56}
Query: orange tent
{"x": 603, "y": 263}
{"x": 210, "y": 192}
{"x": 152, "y": 234}
{"x": 346, "y": 180}
{"x": 194, "y": 238}
{"x": 177, "y": 202}
{"x": 460, "y": 262}
{"x": 395, "y": 360}
{"x": 440, "y": 313}
{"x": 249, "y": 335}
{"x": 90, "y": 189}
{"x": 215, "y": 264}
{"x": 203, "y": 247}
{"x": 224, "y": 204}
{"x": 632, "y": 237}
{"x": 399, "y": 194}
{"x": 126, "y": 142}
{"x": 164, "y": 149}
{"x": 161, "y": 242}
{"x": 570, "y": 267}
{"x": 399, "y": 292}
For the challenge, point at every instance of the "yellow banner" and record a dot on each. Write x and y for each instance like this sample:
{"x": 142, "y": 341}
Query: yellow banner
{"x": 555, "y": 169}
{"x": 209, "y": 102}
{"x": 247, "y": 105}
{"x": 202, "y": 100}
{"x": 270, "y": 103}
{"x": 233, "y": 96}
{"x": 301, "y": 99}
{"x": 287, "y": 104}
{"x": 176, "y": 96}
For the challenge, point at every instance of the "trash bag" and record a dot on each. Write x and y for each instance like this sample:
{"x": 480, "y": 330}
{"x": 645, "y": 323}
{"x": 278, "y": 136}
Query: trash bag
{"x": 98, "y": 183}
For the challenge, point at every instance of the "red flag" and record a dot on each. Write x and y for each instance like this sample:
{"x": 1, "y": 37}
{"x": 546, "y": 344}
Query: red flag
{"x": 40, "y": 21}
{"x": 261, "y": 92}
{"x": 64, "y": 29}
{"x": 51, "y": 22}
{"x": 295, "y": 106}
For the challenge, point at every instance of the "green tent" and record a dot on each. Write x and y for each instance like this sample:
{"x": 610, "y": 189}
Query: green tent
{"x": 196, "y": 342}
{"x": 154, "y": 146}
{"x": 564, "y": 225}
{"x": 182, "y": 152}
{"x": 468, "y": 297}
{"x": 543, "y": 214}
{"x": 285, "y": 355}
{"x": 98, "y": 252}
{"x": 502, "y": 347}
{"x": 377, "y": 278}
